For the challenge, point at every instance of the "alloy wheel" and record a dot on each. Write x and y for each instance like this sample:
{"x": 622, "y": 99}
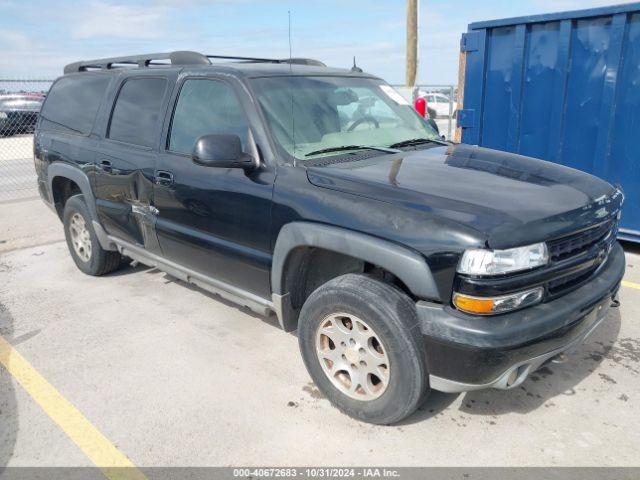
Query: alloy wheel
{"x": 80, "y": 237}
{"x": 352, "y": 356}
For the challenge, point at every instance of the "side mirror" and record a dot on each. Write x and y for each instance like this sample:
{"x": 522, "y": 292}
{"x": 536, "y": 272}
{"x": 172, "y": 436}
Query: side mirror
{"x": 221, "y": 151}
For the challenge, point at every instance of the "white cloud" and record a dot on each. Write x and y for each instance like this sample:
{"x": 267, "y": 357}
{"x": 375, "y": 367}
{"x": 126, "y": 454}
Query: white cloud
{"x": 13, "y": 39}
{"x": 101, "y": 19}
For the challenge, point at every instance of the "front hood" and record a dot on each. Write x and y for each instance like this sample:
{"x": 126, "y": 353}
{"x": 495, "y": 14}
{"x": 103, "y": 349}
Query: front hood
{"x": 512, "y": 200}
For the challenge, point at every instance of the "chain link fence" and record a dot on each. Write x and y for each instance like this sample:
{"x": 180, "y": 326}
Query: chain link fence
{"x": 20, "y": 102}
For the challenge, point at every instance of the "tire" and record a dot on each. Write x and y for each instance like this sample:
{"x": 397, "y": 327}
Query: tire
{"x": 89, "y": 257}
{"x": 374, "y": 310}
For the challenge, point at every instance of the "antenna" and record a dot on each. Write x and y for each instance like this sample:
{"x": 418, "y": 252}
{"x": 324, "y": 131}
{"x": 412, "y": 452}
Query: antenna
{"x": 293, "y": 121}
{"x": 355, "y": 68}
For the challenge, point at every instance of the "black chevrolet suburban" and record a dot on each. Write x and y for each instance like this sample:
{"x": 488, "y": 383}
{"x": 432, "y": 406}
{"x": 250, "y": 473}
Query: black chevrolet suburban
{"x": 405, "y": 263}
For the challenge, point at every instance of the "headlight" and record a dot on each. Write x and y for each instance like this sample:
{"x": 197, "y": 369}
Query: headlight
{"x": 494, "y": 305}
{"x": 3, "y": 116}
{"x": 478, "y": 261}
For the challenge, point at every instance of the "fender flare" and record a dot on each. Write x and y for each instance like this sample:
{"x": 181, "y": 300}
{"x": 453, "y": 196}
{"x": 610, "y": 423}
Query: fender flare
{"x": 406, "y": 264}
{"x": 65, "y": 170}
{"x": 60, "y": 169}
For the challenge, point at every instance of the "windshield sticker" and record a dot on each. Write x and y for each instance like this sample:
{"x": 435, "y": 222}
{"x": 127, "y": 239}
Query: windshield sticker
{"x": 394, "y": 95}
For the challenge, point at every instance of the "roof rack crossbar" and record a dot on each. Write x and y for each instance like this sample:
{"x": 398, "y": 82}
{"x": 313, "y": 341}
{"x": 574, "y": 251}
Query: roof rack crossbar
{"x": 175, "y": 58}
{"x": 295, "y": 61}
{"x": 247, "y": 59}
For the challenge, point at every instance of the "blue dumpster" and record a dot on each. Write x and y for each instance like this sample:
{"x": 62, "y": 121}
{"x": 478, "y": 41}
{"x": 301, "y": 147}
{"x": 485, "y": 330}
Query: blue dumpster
{"x": 563, "y": 87}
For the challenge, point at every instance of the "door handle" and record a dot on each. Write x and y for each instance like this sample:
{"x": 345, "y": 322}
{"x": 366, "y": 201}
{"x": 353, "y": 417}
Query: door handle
{"x": 163, "y": 177}
{"x": 105, "y": 165}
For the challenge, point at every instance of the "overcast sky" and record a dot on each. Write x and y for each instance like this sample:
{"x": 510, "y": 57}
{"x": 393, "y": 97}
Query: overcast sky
{"x": 38, "y": 37}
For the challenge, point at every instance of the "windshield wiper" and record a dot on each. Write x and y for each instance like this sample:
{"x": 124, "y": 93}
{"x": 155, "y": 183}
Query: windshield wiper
{"x": 351, "y": 147}
{"x": 416, "y": 141}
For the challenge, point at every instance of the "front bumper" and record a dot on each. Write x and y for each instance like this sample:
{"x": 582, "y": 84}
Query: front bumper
{"x": 466, "y": 352}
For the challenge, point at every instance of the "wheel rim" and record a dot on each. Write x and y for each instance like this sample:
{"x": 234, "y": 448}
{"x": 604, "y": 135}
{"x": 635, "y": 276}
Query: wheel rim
{"x": 353, "y": 356}
{"x": 80, "y": 237}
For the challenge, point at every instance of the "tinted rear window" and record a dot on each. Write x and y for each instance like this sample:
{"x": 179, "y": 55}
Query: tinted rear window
{"x": 136, "y": 115}
{"x": 73, "y": 102}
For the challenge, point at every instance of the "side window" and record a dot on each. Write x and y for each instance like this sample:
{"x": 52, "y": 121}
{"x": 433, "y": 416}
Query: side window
{"x": 205, "y": 107}
{"x": 73, "y": 102}
{"x": 135, "y": 118}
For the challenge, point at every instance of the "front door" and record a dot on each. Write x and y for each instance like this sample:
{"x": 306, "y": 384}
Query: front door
{"x": 214, "y": 221}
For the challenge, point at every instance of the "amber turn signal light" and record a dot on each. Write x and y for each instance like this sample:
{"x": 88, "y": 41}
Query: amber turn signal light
{"x": 479, "y": 306}
{"x": 494, "y": 305}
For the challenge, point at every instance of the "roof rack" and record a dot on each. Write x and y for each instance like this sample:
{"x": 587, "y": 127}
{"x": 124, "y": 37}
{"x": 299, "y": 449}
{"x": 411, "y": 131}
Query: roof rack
{"x": 174, "y": 58}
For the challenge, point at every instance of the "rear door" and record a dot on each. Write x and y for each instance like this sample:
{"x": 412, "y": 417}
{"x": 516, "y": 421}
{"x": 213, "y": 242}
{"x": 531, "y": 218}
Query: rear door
{"x": 67, "y": 122}
{"x": 127, "y": 158}
{"x": 214, "y": 221}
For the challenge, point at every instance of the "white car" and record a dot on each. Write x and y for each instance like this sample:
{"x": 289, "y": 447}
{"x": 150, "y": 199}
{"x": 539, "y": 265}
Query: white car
{"x": 438, "y": 102}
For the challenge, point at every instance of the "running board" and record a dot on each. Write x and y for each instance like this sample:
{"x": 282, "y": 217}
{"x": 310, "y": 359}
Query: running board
{"x": 253, "y": 302}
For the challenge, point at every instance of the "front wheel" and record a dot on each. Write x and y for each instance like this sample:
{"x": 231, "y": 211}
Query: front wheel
{"x": 362, "y": 345}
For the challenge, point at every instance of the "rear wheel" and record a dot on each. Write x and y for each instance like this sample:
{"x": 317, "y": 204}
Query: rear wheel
{"x": 82, "y": 241}
{"x": 361, "y": 344}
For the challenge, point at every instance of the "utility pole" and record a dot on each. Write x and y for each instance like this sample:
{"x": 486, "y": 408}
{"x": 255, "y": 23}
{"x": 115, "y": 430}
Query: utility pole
{"x": 412, "y": 41}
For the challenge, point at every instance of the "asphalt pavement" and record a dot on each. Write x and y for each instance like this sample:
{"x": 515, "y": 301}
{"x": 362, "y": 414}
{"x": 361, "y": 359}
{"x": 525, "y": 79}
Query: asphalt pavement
{"x": 166, "y": 374}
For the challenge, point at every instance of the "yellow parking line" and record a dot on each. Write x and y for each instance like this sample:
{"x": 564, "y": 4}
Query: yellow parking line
{"x": 113, "y": 463}
{"x": 631, "y": 284}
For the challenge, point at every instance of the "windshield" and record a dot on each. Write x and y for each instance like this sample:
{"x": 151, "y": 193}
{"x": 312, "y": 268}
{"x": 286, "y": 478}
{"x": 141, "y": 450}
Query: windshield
{"x": 309, "y": 115}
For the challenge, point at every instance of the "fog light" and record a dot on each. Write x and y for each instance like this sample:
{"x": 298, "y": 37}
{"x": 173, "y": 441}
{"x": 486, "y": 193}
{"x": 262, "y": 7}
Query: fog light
{"x": 493, "y": 305}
